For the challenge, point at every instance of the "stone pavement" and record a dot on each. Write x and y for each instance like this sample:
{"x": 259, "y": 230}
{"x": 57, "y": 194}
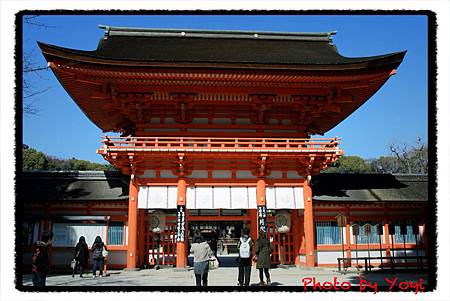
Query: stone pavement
{"x": 224, "y": 276}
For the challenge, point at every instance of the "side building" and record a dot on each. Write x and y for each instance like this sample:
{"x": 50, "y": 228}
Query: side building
{"x": 92, "y": 203}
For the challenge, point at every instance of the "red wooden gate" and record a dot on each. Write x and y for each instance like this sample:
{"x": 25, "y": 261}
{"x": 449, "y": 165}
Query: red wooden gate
{"x": 160, "y": 248}
{"x": 283, "y": 246}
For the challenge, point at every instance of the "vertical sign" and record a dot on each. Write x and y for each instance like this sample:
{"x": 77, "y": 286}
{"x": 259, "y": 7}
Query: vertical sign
{"x": 262, "y": 218}
{"x": 181, "y": 221}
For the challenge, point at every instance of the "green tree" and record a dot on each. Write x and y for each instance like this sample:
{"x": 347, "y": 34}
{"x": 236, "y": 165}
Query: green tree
{"x": 33, "y": 159}
{"x": 349, "y": 164}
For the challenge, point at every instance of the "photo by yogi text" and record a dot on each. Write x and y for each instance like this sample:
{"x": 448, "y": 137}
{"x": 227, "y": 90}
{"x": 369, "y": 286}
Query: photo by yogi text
{"x": 390, "y": 283}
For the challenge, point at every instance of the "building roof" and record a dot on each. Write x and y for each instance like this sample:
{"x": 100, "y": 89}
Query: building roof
{"x": 113, "y": 186}
{"x": 370, "y": 187}
{"x": 74, "y": 186}
{"x": 136, "y": 75}
{"x": 249, "y": 48}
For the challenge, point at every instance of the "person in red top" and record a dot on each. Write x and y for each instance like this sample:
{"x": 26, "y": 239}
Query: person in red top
{"x": 40, "y": 260}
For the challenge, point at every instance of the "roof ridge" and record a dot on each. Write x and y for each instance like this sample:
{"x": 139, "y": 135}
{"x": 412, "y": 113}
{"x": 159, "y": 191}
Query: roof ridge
{"x": 211, "y": 33}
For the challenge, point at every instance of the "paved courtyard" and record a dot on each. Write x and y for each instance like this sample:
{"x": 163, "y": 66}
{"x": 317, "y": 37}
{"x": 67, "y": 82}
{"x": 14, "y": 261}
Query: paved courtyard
{"x": 227, "y": 276}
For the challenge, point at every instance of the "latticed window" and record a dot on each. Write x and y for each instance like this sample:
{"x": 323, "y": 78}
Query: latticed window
{"x": 327, "y": 233}
{"x": 115, "y": 233}
{"x": 372, "y": 237}
{"x": 409, "y": 237}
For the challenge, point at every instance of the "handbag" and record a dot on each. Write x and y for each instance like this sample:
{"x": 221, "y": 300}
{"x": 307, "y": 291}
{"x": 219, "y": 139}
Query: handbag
{"x": 73, "y": 263}
{"x": 213, "y": 263}
{"x": 104, "y": 253}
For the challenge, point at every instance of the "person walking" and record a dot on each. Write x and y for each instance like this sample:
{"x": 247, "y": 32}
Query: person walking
{"x": 81, "y": 256}
{"x": 263, "y": 250}
{"x": 214, "y": 242}
{"x": 245, "y": 247}
{"x": 202, "y": 253}
{"x": 40, "y": 260}
{"x": 97, "y": 256}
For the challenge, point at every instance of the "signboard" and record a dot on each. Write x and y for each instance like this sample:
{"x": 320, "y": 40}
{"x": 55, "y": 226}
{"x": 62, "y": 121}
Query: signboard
{"x": 262, "y": 218}
{"x": 341, "y": 220}
{"x": 181, "y": 222}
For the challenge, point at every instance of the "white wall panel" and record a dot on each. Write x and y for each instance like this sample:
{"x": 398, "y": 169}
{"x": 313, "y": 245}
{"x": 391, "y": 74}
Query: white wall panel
{"x": 293, "y": 175}
{"x": 244, "y": 174}
{"x": 328, "y": 257}
{"x": 275, "y": 174}
{"x": 148, "y": 174}
{"x": 221, "y": 174}
{"x": 167, "y": 174}
{"x": 199, "y": 174}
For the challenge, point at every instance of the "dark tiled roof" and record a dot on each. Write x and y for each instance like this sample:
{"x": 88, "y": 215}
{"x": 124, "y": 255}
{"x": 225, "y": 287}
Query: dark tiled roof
{"x": 228, "y": 47}
{"x": 370, "y": 187}
{"x": 74, "y": 186}
{"x": 93, "y": 185}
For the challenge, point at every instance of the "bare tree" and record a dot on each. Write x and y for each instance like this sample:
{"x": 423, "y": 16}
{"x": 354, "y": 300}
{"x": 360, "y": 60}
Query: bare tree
{"x": 412, "y": 158}
{"x": 32, "y": 71}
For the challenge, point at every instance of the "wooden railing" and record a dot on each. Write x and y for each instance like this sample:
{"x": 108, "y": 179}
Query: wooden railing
{"x": 117, "y": 144}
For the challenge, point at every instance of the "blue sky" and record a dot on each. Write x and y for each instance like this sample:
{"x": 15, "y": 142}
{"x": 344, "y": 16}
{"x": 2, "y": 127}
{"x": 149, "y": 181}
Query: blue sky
{"x": 397, "y": 113}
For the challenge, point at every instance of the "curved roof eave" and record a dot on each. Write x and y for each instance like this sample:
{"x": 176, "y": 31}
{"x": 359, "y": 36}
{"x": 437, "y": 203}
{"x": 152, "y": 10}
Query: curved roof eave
{"x": 392, "y": 60}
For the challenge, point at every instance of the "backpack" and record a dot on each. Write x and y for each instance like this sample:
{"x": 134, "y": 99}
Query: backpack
{"x": 244, "y": 249}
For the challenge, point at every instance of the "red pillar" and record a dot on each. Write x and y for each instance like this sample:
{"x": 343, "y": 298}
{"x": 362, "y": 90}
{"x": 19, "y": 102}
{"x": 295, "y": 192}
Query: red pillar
{"x": 296, "y": 234}
{"x": 347, "y": 233}
{"x": 386, "y": 232}
{"x": 253, "y": 213}
{"x": 132, "y": 225}
{"x": 141, "y": 236}
{"x": 309, "y": 225}
{"x": 261, "y": 204}
{"x": 181, "y": 209}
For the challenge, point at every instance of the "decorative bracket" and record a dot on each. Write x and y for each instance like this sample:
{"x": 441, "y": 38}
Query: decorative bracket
{"x": 183, "y": 167}
{"x": 262, "y": 166}
{"x": 183, "y": 102}
{"x": 261, "y": 103}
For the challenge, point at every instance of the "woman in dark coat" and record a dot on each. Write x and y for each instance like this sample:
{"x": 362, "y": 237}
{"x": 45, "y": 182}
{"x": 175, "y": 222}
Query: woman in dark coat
{"x": 97, "y": 256}
{"x": 81, "y": 256}
{"x": 263, "y": 251}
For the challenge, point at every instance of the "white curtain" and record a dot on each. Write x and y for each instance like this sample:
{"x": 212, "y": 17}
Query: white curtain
{"x": 284, "y": 198}
{"x": 157, "y": 197}
{"x": 203, "y": 197}
{"x": 67, "y": 234}
{"x": 222, "y": 197}
{"x": 215, "y": 197}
